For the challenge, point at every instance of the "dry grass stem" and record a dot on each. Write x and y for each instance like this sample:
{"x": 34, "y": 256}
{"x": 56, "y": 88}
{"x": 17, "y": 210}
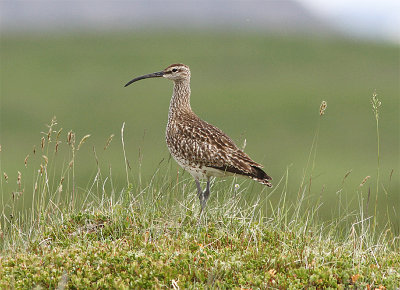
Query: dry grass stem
{"x": 123, "y": 149}
{"x": 83, "y": 140}
{"x": 46, "y": 160}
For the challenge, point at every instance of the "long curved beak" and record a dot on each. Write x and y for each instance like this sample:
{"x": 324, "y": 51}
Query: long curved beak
{"x": 153, "y": 75}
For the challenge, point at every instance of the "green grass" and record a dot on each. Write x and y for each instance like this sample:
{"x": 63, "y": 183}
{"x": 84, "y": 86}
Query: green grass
{"x": 91, "y": 213}
{"x": 151, "y": 234}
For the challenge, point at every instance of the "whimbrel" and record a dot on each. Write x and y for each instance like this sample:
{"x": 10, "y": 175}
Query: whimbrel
{"x": 197, "y": 146}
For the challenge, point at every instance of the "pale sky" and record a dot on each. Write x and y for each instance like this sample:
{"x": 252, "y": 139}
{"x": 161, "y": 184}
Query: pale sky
{"x": 380, "y": 17}
{"x": 374, "y": 19}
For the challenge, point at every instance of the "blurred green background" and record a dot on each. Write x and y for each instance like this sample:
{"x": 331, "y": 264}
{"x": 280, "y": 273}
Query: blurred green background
{"x": 260, "y": 88}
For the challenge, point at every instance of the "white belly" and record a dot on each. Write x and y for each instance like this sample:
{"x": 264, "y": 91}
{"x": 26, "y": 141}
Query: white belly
{"x": 200, "y": 172}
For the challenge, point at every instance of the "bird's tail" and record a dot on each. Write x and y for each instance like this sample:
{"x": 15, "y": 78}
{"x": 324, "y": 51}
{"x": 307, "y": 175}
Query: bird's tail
{"x": 260, "y": 176}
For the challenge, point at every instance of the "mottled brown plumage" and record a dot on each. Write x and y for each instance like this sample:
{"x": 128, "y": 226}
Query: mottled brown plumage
{"x": 199, "y": 147}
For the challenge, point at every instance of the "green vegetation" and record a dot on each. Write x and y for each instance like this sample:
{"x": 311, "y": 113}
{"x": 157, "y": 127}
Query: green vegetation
{"x": 78, "y": 208}
{"x": 151, "y": 235}
{"x": 145, "y": 245}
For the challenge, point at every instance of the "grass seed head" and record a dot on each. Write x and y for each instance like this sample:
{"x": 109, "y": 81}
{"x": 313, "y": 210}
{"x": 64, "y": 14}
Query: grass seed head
{"x": 19, "y": 179}
{"x": 58, "y": 134}
{"x": 71, "y": 138}
{"x": 347, "y": 175}
{"x": 57, "y": 144}
{"x": 322, "y": 108}
{"x": 42, "y": 143}
{"x": 365, "y": 180}
{"x": 5, "y": 176}
{"x": 53, "y": 122}
{"x": 376, "y": 103}
{"x": 109, "y": 141}
{"x": 26, "y": 161}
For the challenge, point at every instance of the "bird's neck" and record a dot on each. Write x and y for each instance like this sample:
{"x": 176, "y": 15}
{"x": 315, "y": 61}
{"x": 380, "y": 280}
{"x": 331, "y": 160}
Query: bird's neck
{"x": 180, "y": 101}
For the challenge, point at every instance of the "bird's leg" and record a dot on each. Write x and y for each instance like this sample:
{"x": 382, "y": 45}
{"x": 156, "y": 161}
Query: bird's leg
{"x": 200, "y": 193}
{"x": 206, "y": 193}
{"x": 203, "y": 196}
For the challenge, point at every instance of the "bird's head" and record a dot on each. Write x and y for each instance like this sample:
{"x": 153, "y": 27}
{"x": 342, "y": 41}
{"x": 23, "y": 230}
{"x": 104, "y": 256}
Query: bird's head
{"x": 175, "y": 72}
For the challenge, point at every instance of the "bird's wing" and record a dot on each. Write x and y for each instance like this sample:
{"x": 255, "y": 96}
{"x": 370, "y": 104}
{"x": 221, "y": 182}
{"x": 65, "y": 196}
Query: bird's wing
{"x": 205, "y": 144}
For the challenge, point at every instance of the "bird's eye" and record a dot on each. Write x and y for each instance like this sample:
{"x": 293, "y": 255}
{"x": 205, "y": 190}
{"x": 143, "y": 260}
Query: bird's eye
{"x": 174, "y": 70}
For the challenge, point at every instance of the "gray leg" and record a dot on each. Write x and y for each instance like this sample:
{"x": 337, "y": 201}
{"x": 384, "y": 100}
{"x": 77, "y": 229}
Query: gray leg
{"x": 203, "y": 196}
{"x": 200, "y": 194}
{"x": 206, "y": 193}
{"x": 199, "y": 191}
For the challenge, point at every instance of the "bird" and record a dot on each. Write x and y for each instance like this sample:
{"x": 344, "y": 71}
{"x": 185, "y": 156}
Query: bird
{"x": 197, "y": 146}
